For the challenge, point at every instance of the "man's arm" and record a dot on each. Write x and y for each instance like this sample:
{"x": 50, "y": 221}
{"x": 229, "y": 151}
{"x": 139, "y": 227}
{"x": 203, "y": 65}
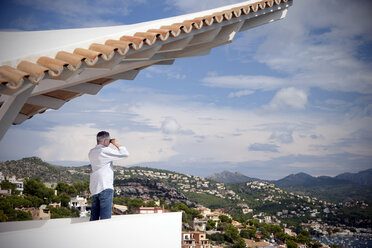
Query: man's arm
{"x": 114, "y": 154}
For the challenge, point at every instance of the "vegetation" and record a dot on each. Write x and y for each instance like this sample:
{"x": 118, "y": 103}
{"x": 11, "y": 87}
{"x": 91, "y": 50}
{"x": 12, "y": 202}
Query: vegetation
{"x": 209, "y": 201}
{"x": 63, "y": 212}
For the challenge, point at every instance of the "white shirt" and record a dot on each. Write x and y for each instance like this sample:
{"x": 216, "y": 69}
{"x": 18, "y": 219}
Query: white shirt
{"x": 102, "y": 176}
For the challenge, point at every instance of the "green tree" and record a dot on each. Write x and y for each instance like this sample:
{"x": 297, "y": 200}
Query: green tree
{"x": 8, "y": 185}
{"x": 303, "y": 239}
{"x": 211, "y": 224}
{"x": 315, "y": 245}
{"x": 3, "y": 217}
{"x": 240, "y": 243}
{"x": 231, "y": 233}
{"x": 63, "y": 212}
{"x": 34, "y": 200}
{"x": 66, "y": 188}
{"x": 81, "y": 187}
{"x": 244, "y": 234}
{"x": 35, "y": 187}
{"x": 65, "y": 199}
{"x": 151, "y": 204}
{"x": 291, "y": 243}
{"x": 225, "y": 218}
{"x": 218, "y": 237}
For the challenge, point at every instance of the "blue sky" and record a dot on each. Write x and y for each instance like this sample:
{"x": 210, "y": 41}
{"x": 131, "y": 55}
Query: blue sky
{"x": 287, "y": 97}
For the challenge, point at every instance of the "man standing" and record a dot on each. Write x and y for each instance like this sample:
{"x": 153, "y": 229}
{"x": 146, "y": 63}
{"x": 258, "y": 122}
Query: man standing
{"x": 102, "y": 176}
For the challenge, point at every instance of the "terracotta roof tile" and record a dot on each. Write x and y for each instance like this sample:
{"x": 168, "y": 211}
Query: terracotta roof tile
{"x": 55, "y": 66}
{"x": 135, "y": 42}
{"x": 15, "y": 76}
{"x": 148, "y": 38}
{"x": 36, "y": 71}
{"x": 74, "y": 61}
{"x": 106, "y": 52}
{"x": 163, "y": 34}
{"x": 237, "y": 12}
{"x": 175, "y": 31}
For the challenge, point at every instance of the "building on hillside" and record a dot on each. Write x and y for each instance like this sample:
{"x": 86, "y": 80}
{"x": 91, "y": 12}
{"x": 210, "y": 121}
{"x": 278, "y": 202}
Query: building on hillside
{"x": 55, "y": 205}
{"x": 150, "y": 210}
{"x": 119, "y": 209}
{"x": 253, "y": 244}
{"x": 289, "y": 232}
{"x": 268, "y": 220}
{"x": 204, "y": 211}
{"x": 79, "y": 203}
{"x": 18, "y": 182}
{"x": 2, "y": 177}
{"x": 41, "y": 213}
{"x": 238, "y": 225}
{"x": 5, "y": 192}
{"x": 213, "y": 216}
{"x": 195, "y": 240}
{"x": 199, "y": 225}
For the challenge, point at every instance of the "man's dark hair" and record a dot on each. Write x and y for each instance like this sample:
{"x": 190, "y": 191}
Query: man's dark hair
{"x": 101, "y": 136}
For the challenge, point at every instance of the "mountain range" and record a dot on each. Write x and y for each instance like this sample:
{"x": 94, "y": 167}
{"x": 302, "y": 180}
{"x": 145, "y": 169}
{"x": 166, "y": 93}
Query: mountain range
{"x": 231, "y": 177}
{"x": 362, "y": 178}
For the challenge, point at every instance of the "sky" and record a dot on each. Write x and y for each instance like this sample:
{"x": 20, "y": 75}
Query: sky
{"x": 287, "y": 97}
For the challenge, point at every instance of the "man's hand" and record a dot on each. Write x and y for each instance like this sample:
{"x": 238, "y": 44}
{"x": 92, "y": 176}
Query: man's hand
{"x": 115, "y": 143}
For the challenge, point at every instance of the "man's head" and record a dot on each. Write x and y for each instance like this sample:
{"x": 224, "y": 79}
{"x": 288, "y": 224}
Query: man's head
{"x": 103, "y": 138}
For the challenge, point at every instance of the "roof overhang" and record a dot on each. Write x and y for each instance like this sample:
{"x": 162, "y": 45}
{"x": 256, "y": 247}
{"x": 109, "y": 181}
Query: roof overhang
{"x": 42, "y": 70}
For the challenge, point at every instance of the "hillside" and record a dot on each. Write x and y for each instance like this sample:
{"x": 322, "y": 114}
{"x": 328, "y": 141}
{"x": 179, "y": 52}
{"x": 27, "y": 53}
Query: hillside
{"x": 363, "y": 178}
{"x": 35, "y": 167}
{"x": 303, "y": 179}
{"x": 230, "y": 177}
{"x": 238, "y": 199}
{"x": 339, "y": 188}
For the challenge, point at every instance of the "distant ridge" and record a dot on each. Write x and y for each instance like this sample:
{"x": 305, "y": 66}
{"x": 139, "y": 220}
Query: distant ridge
{"x": 362, "y": 178}
{"x": 231, "y": 177}
{"x": 303, "y": 179}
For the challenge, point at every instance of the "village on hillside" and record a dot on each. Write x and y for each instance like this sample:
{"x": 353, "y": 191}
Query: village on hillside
{"x": 202, "y": 226}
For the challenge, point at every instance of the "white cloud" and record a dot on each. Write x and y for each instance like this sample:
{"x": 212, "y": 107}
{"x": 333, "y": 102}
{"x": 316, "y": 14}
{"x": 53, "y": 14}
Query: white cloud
{"x": 316, "y": 52}
{"x": 288, "y": 97}
{"x": 170, "y": 126}
{"x": 171, "y": 72}
{"x": 240, "y": 93}
{"x": 71, "y": 143}
{"x": 245, "y": 82}
{"x": 264, "y": 147}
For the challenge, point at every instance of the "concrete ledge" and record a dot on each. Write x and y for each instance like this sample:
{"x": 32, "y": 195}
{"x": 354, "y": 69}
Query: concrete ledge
{"x": 130, "y": 231}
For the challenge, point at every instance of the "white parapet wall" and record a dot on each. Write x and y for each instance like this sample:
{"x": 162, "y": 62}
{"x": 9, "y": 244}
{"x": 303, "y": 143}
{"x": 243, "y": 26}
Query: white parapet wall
{"x": 129, "y": 231}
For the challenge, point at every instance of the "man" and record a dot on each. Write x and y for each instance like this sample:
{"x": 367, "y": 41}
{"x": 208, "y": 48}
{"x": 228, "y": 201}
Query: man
{"x": 102, "y": 176}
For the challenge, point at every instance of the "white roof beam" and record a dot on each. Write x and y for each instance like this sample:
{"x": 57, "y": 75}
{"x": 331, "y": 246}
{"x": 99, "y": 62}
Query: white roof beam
{"x": 228, "y": 33}
{"x": 205, "y": 37}
{"x": 258, "y": 20}
{"x": 128, "y": 75}
{"x": 20, "y": 118}
{"x": 86, "y": 88}
{"x": 12, "y": 105}
{"x": 176, "y": 45}
{"x": 46, "y": 101}
{"x": 165, "y": 62}
{"x": 142, "y": 55}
